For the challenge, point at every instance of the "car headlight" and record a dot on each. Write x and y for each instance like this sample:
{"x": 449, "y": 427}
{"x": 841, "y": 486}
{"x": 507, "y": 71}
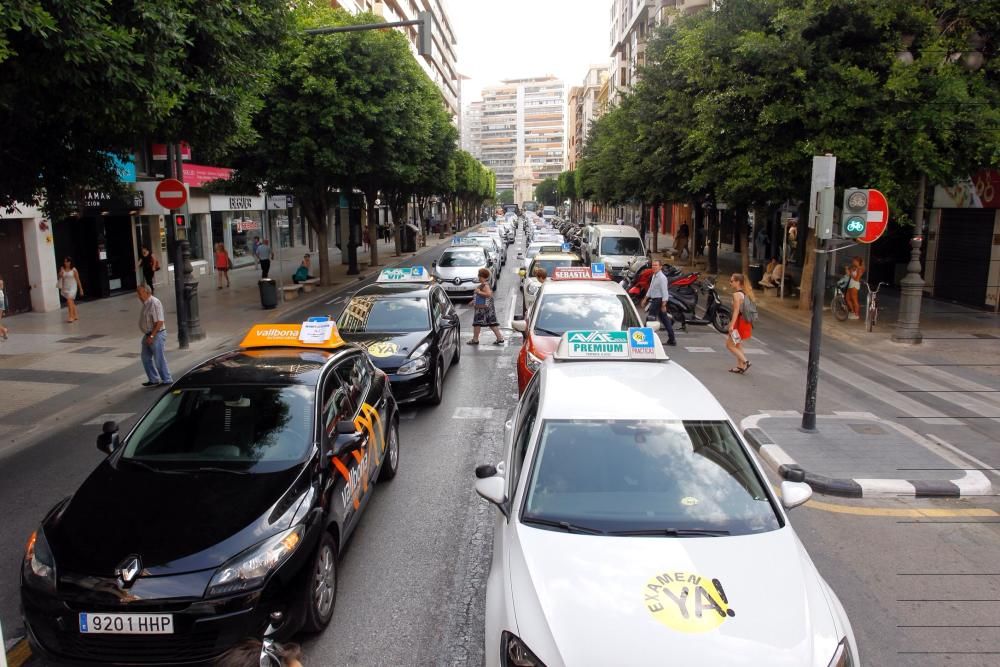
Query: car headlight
{"x": 533, "y": 288}
{"x": 842, "y": 657}
{"x": 39, "y": 568}
{"x": 514, "y": 652}
{"x": 251, "y": 568}
{"x": 417, "y": 362}
{"x": 532, "y": 362}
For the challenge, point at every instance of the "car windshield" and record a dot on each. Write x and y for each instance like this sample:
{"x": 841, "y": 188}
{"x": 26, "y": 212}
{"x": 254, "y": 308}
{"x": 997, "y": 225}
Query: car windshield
{"x": 550, "y": 264}
{"x": 456, "y": 258}
{"x": 559, "y": 313}
{"x": 640, "y": 477}
{"x": 385, "y": 314}
{"x": 486, "y": 243}
{"x": 238, "y": 426}
{"x": 621, "y": 245}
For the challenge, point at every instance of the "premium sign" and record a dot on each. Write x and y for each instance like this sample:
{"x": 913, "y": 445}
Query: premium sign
{"x": 597, "y": 344}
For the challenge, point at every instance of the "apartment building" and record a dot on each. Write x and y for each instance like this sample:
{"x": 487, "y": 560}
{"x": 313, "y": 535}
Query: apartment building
{"x": 523, "y": 123}
{"x": 441, "y": 66}
{"x": 472, "y": 128}
{"x": 583, "y": 109}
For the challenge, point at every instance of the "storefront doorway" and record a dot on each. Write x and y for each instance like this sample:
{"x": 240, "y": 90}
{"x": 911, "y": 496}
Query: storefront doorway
{"x": 14, "y": 268}
{"x": 102, "y": 250}
{"x": 963, "y": 256}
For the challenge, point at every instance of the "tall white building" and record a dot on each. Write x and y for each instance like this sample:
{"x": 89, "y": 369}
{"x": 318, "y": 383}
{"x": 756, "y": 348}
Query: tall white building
{"x": 523, "y": 123}
{"x": 441, "y": 65}
{"x": 472, "y": 128}
{"x": 583, "y": 109}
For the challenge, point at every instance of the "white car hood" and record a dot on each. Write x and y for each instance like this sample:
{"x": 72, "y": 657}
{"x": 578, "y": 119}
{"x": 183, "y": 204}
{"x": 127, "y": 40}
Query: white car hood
{"x": 617, "y": 261}
{"x": 452, "y": 272}
{"x": 595, "y": 600}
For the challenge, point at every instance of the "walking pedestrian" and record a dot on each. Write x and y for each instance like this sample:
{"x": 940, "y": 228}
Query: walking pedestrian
{"x": 763, "y": 242}
{"x": 740, "y": 326}
{"x": 222, "y": 265}
{"x": 149, "y": 265}
{"x": 154, "y": 339}
{"x": 70, "y": 287}
{"x": 253, "y": 249}
{"x": 486, "y": 313}
{"x": 3, "y": 310}
{"x": 264, "y": 256}
{"x": 367, "y": 239}
{"x": 681, "y": 240}
{"x": 252, "y": 653}
{"x": 656, "y": 298}
{"x": 855, "y": 270}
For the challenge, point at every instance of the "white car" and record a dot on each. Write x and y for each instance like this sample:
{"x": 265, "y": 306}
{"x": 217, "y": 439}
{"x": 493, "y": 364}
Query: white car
{"x": 533, "y": 249}
{"x": 493, "y": 247}
{"x": 458, "y": 269}
{"x": 635, "y": 526}
{"x": 548, "y": 261}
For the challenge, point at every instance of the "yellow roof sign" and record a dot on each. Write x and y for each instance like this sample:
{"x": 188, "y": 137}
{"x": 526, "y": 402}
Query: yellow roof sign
{"x": 322, "y": 334}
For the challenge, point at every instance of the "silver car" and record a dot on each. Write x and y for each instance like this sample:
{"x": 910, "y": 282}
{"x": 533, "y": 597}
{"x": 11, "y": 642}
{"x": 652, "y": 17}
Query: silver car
{"x": 458, "y": 269}
{"x": 497, "y": 252}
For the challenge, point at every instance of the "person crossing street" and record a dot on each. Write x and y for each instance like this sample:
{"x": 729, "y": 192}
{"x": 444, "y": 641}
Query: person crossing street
{"x": 656, "y": 298}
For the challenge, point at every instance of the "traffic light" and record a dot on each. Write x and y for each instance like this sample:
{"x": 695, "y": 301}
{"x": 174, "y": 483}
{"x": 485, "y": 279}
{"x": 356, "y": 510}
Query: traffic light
{"x": 854, "y": 216}
{"x": 179, "y": 220}
{"x": 425, "y": 34}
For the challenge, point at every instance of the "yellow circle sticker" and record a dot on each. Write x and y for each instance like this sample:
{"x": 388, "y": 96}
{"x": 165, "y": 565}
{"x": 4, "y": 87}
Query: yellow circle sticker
{"x": 687, "y": 602}
{"x": 689, "y": 501}
{"x": 382, "y": 349}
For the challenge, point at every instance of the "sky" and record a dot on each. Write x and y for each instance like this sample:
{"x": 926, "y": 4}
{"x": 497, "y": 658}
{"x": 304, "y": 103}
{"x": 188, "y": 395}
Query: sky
{"x": 509, "y": 39}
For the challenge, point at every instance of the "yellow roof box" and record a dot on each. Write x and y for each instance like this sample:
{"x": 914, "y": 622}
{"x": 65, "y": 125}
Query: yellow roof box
{"x": 316, "y": 332}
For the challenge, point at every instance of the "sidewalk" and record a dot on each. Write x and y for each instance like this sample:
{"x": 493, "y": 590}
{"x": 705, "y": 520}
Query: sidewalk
{"x": 46, "y": 360}
{"x": 934, "y": 388}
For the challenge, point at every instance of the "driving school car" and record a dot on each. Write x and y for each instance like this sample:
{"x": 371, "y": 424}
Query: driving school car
{"x": 410, "y": 329}
{"x": 635, "y": 527}
{"x": 458, "y": 267}
{"x": 550, "y": 262}
{"x": 231, "y": 499}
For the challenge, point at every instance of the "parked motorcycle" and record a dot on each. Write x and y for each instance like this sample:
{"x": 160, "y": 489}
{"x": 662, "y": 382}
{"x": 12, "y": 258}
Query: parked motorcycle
{"x": 682, "y": 306}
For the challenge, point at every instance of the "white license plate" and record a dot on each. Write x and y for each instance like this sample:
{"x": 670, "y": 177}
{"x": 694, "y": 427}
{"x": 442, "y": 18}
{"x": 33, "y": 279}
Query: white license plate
{"x": 126, "y": 624}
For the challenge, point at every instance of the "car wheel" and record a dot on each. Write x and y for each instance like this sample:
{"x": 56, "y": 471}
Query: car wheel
{"x": 438, "y": 389}
{"x": 320, "y": 588}
{"x": 391, "y": 462}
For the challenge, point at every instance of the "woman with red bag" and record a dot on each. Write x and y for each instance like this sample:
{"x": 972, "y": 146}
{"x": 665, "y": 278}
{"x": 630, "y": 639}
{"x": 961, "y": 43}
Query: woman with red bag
{"x": 740, "y": 327}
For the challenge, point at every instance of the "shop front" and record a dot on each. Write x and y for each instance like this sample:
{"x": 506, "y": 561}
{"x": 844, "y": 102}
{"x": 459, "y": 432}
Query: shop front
{"x": 236, "y": 220}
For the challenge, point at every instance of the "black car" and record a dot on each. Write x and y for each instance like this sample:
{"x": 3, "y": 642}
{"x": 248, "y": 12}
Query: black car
{"x": 411, "y": 332}
{"x": 231, "y": 499}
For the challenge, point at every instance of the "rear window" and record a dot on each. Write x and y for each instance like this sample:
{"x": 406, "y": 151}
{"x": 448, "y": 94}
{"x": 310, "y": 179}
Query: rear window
{"x": 559, "y": 313}
{"x": 621, "y": 245}
{"x": 385, "y": 314}
{"x": 550, "y": 264}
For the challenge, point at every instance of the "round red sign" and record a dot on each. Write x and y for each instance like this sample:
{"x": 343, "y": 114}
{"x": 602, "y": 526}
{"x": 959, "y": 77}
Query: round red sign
{"x": 171, "y": 193}
{"x": 878, "y": 217}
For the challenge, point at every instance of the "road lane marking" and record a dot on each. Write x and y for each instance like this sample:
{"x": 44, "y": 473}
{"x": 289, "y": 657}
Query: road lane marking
{"x": 510, "y": 316}
{"x": 472, "y": 413}
{"x": 117, "y": 417}
{"x": 898, "y": 511}
{"x": 947, "y": 445}
{"x": 699, "y": 349}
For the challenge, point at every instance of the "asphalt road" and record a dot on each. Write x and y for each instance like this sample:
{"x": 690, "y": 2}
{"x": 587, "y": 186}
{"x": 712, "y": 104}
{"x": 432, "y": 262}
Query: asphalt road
{"x": 920, "y": 589}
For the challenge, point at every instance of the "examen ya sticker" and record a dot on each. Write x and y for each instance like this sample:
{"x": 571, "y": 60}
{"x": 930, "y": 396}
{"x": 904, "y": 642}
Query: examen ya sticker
{"x": 687, "y": 602}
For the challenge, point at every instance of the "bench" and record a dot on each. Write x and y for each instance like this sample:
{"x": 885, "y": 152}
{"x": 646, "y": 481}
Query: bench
{"x": 291, "y": 292}
{"x": 309, "y": 285}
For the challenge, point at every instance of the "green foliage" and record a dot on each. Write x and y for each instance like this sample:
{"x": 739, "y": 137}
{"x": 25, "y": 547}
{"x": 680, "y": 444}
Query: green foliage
{"x": 547, "y": 192}
{"x": 567, "y": 185}
{"x": 79, "y": 79}
{"x": 505, "y": 197}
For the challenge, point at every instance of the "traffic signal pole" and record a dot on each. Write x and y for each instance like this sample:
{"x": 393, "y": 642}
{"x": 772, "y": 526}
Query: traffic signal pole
{"x": 180, "y": 237}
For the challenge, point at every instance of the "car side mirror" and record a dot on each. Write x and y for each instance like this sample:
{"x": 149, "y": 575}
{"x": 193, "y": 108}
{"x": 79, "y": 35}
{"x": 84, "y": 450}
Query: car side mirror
{"x": 348, "y": 438}
{"x": 445, "y": 322}
{"x": 492, "y": 489}
{"x": 434, "y": 263}
{"x": 519, "y": 324}
{"x": 107, "y": 441}
{"x": 522, "y": 272}
{"x": 794, "y": 494}
{"x": 520, "y": 255}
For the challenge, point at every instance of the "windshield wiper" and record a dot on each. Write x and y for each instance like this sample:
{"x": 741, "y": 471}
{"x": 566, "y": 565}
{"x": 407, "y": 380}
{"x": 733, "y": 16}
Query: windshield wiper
{"x": 228, "y": 470}
{"x": 673, "y": 532}
{"x": 150, "y": 468}
{"x": 565, "y": 525}
{"x": 547, "y": 332}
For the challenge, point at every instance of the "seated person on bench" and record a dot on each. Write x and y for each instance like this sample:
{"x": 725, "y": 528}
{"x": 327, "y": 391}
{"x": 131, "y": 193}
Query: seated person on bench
{"x": 773, "y": 274}
{"x": 302, "y": 273}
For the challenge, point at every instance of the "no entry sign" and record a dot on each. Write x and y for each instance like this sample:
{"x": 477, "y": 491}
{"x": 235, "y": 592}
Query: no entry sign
{"x": 171, "y": 193}
{"x": 878, "y": 217}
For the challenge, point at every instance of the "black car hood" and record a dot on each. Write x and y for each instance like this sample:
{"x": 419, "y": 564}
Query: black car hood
{"x": 173, "y": 522}
{"x": 388, "y": 351}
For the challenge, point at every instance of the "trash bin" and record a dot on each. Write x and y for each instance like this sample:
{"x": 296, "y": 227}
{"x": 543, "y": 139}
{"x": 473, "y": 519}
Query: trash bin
{"x": 756, "y": 273}
{"x": 409, "y": 240}
{"x": 268, "y": 293}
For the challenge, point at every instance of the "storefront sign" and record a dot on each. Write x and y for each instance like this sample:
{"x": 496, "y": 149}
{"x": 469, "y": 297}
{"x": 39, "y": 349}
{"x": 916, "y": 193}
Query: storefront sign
{"x": 196, "y": 175}
{"x": 278, "y": 202}
{"x": 236, "y": 203}
{"x": 125, "y": 168}
{"x": 246, "y": 225}
{"x": 159, "y": 151}
{"x": 96, "y": 200}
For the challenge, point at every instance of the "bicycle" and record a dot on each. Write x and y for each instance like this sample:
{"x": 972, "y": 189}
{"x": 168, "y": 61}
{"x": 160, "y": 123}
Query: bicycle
{"x": 839, "y": 303}
{"x": 871, "y": 309}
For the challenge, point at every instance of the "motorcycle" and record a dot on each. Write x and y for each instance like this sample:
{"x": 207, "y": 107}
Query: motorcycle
{"x": 682, "y": 306}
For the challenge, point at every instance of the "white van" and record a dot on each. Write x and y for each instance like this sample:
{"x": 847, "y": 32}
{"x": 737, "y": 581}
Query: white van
{"x": 549, "y": 213}
{"x": 614, "y": 245}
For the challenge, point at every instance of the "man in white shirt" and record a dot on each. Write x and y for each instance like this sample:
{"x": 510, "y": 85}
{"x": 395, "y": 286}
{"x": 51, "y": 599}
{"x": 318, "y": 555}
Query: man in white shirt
{"x": 154, "y": 339}
{"x": 656, "y": 298}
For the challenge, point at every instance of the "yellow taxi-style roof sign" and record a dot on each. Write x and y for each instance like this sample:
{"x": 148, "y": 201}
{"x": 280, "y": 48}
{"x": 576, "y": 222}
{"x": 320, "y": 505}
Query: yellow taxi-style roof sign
{"x": 317, "y": 333}
{"x": 409, "y": 274}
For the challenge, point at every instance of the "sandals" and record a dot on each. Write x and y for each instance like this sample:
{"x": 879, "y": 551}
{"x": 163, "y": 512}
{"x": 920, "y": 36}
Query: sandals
{"x": 740, "y": 370}
{"x": 472, "y": 342}
{"x": 500, "y": 341}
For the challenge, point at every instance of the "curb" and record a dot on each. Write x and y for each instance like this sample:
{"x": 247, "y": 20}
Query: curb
{"x": 787, "y": 468}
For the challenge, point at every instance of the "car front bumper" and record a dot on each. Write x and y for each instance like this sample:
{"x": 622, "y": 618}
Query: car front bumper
{"x": 410, "y": 388}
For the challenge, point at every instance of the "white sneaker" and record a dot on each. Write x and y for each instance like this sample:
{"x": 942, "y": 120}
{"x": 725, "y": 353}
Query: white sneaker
{"x": 852, "y": 316}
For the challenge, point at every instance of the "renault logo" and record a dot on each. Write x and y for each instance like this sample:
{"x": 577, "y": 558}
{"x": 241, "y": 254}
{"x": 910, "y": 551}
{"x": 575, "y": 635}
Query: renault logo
{"x": 128, "y": 570}
{"x": 458, "y": 281}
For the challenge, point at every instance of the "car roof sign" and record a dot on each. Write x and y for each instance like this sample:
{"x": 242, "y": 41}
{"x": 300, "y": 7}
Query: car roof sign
{"x": 410, "y": 274}
{"x": 565, "y": 247}
{"x": 635, "y": 344}
{"x": 464, "y": 240}
{"x": 572, "y": 273}
{"x": 598, "y": 270}
{"x": 313, "y": 333}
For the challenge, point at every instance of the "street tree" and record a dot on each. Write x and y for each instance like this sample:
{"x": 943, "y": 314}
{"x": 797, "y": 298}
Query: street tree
{"x": 81, "y": 81}
{"x": 547, "y": 192}
{"x": 505, "y": 197}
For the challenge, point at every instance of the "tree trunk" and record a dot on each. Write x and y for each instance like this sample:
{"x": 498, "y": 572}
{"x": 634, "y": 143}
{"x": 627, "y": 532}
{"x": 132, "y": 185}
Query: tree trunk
{"x": 316, "y": 214}
{"x": 655, "y": 224}
{"x": 744, "y": 241}
{"x": 372, "y": 214}
{"x": 808, "y": 243}
{"x": 713, "y": 241}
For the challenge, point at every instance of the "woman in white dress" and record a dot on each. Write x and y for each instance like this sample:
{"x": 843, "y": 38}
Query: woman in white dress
{"x": 70, "y": 287}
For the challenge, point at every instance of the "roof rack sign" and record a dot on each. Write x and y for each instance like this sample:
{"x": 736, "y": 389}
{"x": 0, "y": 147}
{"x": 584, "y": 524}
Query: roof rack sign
{"x": 410, "y": 274}
{"x": 313, "y": 333}
{"x": 463, "y": 240}
{"x": 574, "y": 273}
{"x": 636, "y": 344}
